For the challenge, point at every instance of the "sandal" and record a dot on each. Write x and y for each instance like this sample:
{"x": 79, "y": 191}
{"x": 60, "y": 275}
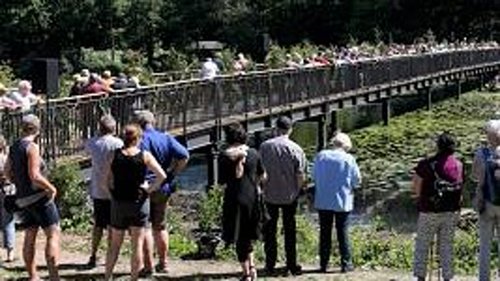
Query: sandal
{"x": 253, "y": 273}
{"x": 246, "y": 278}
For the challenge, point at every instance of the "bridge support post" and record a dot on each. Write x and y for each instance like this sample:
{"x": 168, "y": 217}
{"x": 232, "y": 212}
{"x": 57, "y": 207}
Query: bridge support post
{"x": 428, "y": 97}
{"x": 213, "y": 156}
{"x": 322, "y": 137}
{"x": 213, "y": 166}
{"x": 334, "y": 125}
{"x": 386, "y": 111}
{"x": 459, "y": 89}
{"x": 481, "y": 82}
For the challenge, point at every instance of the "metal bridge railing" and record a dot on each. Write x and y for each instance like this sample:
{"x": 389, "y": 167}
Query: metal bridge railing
{"x": 188, "y": 105}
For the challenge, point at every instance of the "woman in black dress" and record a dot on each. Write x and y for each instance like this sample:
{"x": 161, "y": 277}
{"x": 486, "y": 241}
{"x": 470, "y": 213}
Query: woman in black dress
{"x": 241, "y": 171}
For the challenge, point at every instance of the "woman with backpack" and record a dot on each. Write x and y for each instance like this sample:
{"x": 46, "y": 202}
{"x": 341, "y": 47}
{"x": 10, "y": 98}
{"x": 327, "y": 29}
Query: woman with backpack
{"x": 437, "y": 184}
{"x": 485, "y": 169}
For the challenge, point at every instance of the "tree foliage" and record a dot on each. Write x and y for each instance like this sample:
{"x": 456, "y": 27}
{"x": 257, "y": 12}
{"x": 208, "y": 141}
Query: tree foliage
{"x": 50, "y": 27}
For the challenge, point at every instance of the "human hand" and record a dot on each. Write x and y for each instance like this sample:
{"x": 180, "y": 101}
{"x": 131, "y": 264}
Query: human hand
{"x": 51, "y": 193}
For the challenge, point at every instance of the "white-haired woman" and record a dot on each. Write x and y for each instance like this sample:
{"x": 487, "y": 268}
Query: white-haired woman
{"x": 485, "y": 170}
{"x": 24, "y": 98}
{"x": 336, "y": 174}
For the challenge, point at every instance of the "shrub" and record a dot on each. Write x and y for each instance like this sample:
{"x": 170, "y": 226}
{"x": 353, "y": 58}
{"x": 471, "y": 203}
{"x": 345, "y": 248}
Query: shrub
{"x": 276, "y": 57}
{"x": 72, "y": 197}
{"x": 6, "y": 74}
{"x": 210, "y": 209}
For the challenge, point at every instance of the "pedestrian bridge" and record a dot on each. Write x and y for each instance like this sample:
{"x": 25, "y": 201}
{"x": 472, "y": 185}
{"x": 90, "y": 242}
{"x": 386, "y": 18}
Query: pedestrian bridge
{"x": 196, "y": 110}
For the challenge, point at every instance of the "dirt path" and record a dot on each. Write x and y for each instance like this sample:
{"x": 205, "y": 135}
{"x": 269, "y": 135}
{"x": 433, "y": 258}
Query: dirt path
{"x": 75, "y": 255}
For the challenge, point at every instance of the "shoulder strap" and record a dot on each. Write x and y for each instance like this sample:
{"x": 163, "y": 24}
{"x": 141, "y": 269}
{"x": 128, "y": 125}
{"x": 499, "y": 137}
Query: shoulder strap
{"x": 432, "y": 164}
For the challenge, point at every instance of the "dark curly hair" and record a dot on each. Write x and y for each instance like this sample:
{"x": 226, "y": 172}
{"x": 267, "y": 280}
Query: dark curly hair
{"x": 446, "y": 143}
{"x": 235, "y": 133}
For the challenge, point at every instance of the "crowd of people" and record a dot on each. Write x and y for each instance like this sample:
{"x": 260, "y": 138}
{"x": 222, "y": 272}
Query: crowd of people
{"x": 86, "y": 82}
{"x": 131, "y": 183}
{"x": 215, "y": 65}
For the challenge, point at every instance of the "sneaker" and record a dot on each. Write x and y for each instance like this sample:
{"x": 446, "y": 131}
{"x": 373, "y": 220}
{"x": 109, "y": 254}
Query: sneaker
{"x": 161, "y": 268}
{"x": 269, "y": 271}
{"x": 92, "y": 263}
{"x": 295, "y": 270}
{"x": 146, "y": 273}
{"x": 347, "y": 268}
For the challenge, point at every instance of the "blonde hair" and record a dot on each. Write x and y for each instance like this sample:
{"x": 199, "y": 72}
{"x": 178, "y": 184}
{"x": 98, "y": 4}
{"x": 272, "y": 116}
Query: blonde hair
{"x": 132, "y": 134}
{"x": 342, "y": 140}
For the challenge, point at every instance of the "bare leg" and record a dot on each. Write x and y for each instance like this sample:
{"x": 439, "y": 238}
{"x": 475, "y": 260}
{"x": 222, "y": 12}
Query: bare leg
{"x": 29, "y": 252}
{"x": 96, "y": 240}
{"x": 137, "y": 260}
{"x": 113, "y": 251}
{"x": 148, "y": 249}
{"x": 53, "y": 250}
{"x": 161, "y": 241}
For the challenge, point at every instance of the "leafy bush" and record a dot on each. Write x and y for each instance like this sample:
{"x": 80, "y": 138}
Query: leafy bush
{"x": 276, "y": 57}
{"x": 6, "y": 74}
{"x": 210, "y": 209}
{"x": 72, "y": 199}
{"x": 98, "y": 61}
{"x": 171, "y": 60}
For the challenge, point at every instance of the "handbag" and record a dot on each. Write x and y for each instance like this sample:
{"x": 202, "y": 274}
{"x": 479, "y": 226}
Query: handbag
{"x": 9, "y": 198}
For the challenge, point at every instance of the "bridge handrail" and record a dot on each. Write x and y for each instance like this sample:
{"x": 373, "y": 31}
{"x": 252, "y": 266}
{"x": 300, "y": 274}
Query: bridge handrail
{"x": 187, "y": 105}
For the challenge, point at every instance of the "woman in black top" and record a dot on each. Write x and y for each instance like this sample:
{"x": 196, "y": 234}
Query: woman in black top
{"x": 241, "y": 172}
{"x": 130, "y": 203}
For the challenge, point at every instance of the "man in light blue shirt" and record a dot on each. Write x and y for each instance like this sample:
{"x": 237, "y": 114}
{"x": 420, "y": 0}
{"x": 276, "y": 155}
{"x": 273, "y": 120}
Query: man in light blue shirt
{"x": 335, "y": 174}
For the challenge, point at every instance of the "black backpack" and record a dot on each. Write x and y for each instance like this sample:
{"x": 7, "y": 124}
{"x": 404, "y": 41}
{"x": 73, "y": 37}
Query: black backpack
{"x": 445, "y": 195}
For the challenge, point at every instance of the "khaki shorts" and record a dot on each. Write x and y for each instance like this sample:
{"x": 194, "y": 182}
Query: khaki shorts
{"x": 158, "y": 211}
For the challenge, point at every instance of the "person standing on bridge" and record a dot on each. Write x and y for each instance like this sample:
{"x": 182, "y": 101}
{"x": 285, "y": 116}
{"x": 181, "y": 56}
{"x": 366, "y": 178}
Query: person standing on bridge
{"x": 35, "y": 197}
{"x": 101, "y": 149}
{"x": 336, "y": 174}
{"x": 173, "y": 158}
{"x": 437, "y": 185}
{"x": 285, "y": 164}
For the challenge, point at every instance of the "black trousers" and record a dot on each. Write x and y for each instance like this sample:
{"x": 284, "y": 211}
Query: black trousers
{"x": 289, "y": 226}
{"x": 325, "y": 237}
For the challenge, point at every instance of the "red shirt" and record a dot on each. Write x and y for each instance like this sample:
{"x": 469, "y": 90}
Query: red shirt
{"x": 447, "y": 168}
{"x": 94, "y": 88}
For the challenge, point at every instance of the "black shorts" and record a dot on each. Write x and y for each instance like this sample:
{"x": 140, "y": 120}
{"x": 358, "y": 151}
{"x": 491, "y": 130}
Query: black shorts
{"x": 42, "y": 214}
{"x": 102, "y": 212}
{"x": 125, "y": 214}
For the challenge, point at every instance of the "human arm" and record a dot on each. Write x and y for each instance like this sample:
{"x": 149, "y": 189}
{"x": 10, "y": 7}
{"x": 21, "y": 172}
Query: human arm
{"x": 181, "y": 157}
{"x": 300, "y": 169}
{"x": 416, "y": 185}
{"x": 34, "y": 171}
{"x": 355, "y": 174}
{"x": 154, "y": 166}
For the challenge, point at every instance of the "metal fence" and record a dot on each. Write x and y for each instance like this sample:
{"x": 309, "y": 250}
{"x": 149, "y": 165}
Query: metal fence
{"x": 189, "y": 105}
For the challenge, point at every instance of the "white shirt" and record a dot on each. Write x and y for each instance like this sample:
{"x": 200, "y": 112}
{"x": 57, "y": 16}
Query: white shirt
{"x": 24, "y": 102}
{"x": 209, "y": 70}
{"x": 101, "y": 150}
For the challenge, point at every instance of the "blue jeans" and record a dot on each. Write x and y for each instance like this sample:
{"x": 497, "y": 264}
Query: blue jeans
{"x": 8, "y": 228}
{"x": 325, "y": 237}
